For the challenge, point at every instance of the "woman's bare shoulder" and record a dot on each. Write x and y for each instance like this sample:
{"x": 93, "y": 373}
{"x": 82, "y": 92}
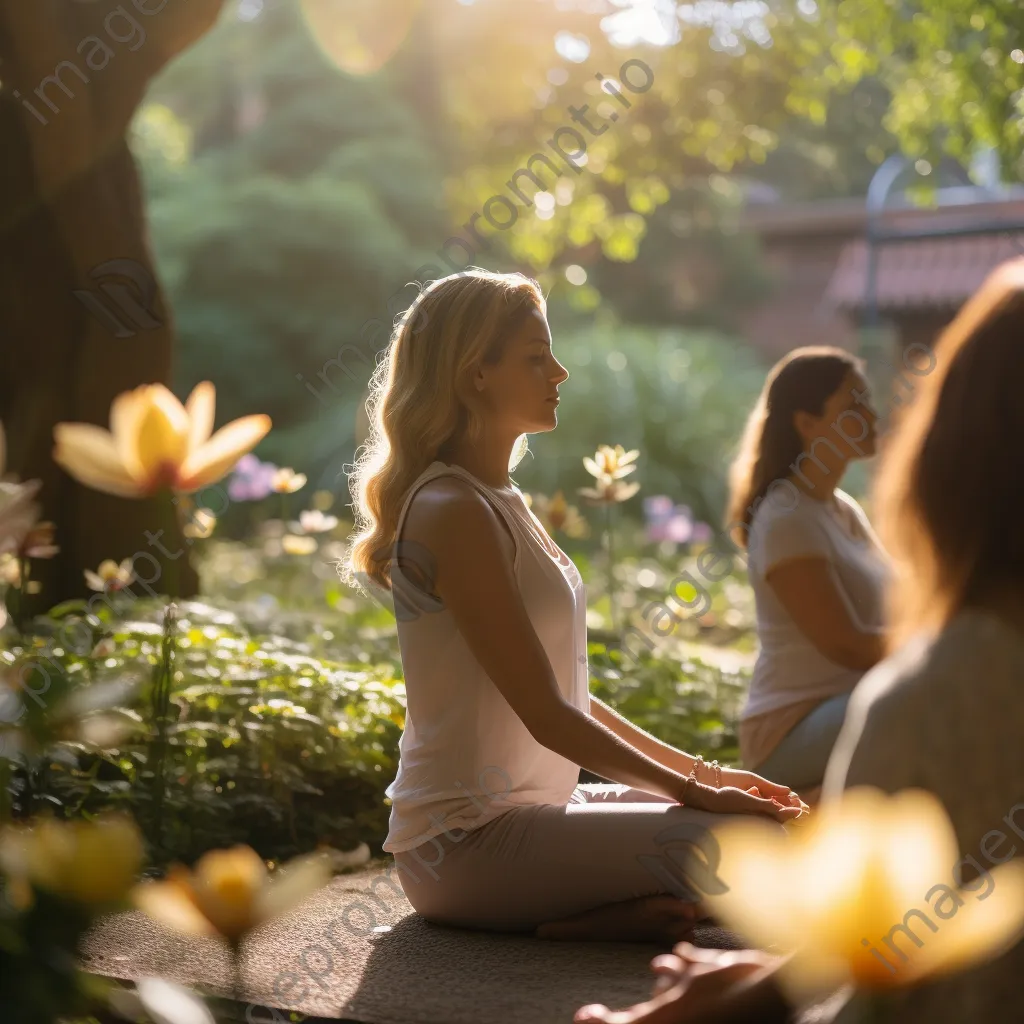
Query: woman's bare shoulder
{"x": 448, "y": 509}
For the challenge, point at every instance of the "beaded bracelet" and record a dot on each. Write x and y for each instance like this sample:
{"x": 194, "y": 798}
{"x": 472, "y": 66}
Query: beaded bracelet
{"x": 714, "y": 765}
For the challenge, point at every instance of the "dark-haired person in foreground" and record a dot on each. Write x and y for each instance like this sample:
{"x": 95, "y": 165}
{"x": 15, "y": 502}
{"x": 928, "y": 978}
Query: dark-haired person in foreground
{"x": 945, "y": 710}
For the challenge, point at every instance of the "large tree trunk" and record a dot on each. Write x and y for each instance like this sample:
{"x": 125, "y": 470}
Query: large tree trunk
{"x": 73, "y": 336}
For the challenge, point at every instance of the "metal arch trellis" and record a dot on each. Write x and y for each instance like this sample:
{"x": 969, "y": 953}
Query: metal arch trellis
{"x": 875, "y": 235}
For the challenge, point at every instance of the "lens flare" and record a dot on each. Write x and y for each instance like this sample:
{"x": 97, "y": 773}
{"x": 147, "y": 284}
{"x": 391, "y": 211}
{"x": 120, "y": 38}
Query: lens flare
{"x": 360, "y": 36}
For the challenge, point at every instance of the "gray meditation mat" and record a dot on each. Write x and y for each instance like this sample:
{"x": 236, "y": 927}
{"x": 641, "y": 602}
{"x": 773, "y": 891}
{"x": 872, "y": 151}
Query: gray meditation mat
{"x": 326, "y": 959}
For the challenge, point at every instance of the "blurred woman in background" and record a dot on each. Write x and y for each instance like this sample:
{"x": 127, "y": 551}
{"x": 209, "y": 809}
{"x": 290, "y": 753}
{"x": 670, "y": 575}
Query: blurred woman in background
{"x": 815, "y": 564}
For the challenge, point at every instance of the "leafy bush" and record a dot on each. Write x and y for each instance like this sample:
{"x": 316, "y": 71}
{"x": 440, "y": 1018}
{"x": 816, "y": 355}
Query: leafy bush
{"x": 691, "y": 705}
{"x": 681, "y": 397}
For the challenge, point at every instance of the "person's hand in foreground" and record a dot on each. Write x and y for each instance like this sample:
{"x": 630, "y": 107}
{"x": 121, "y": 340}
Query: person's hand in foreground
{"x": 702, "y": 986}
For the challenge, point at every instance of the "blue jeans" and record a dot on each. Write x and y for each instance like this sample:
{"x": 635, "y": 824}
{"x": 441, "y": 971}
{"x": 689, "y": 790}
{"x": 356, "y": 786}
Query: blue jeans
{"x": 799, "y": 761}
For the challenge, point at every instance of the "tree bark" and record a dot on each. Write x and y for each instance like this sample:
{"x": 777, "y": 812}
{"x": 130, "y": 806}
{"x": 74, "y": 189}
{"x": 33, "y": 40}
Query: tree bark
{"x": 72, "y": 336}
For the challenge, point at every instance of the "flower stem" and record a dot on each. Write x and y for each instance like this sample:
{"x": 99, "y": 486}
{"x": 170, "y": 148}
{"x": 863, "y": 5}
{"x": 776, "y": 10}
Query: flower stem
{"x": 163, "y": 675}
{"x": 610, "y": 549}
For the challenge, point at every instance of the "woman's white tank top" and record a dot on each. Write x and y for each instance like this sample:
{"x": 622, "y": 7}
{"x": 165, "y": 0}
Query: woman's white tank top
{"x": 465, "y": 756}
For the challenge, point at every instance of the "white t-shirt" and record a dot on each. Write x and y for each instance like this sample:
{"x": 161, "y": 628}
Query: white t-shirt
{"x": 788, "y": 525}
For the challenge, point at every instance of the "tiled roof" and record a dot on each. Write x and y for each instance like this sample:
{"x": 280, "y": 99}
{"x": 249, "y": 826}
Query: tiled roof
{"x": 935, "y": 273}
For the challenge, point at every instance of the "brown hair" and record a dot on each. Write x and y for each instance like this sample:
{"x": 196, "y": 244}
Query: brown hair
{"x": 950, "y": 491}
{"x": 802, "y": 381}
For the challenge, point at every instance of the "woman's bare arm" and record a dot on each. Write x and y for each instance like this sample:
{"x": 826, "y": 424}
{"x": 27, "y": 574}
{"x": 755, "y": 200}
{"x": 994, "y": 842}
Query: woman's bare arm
{"x": 663, "y": 753}
{"x": 808, "y": 592}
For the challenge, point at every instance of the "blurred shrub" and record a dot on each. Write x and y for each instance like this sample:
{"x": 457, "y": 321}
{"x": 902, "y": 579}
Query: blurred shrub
{"x": 681, "y": 397}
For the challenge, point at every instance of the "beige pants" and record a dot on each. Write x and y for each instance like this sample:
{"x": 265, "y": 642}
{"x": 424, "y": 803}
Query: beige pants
{"x": 543, "y": 862}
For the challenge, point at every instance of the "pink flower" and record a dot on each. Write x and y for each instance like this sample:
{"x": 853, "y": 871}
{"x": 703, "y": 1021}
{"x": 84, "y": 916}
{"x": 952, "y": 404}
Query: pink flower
{"x": 667, "y": 521}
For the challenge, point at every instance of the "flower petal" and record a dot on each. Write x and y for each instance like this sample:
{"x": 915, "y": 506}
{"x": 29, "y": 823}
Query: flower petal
{"x": 168, "y": 903}
{"x": 126, "y": 413}
{"x": 163, "y": 433}
{"x": 200, "y": 408}
{"x": 89, "y": 454}
{"x": 213, "y": 459}
{"x": 294, "y": 882}
{"x": 93, "y": 582}
{"x": 980, "y": 930}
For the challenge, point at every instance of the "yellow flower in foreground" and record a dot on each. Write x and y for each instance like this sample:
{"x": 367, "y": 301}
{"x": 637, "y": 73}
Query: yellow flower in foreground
{"x": 154, "y": 442}
{"x": 91, "y": 862}
{"x": 110, "y": 575}
{"x": 611, "y": 462}
{"x": 229, "y": 892}
{"x": 287, "y": 481}
{"x": 865, "y": 893}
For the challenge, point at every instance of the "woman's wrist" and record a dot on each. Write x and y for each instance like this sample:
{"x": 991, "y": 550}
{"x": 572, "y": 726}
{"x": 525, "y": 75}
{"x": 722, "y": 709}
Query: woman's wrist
{"x": 694, "y": 794}
{"x": 705, "y": 772}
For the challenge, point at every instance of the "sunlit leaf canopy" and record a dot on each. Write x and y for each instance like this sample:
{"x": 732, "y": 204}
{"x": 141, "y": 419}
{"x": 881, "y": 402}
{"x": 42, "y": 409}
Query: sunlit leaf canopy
{"x": 726, "y": 76}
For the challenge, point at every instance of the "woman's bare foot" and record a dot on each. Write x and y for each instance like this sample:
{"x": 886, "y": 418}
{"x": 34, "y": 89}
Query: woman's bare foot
{"x": 661, "y": 918}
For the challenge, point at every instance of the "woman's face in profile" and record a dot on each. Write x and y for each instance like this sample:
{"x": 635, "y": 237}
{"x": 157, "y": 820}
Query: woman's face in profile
{"x": 847, "y": 424}
{"x": 523, "y": 386}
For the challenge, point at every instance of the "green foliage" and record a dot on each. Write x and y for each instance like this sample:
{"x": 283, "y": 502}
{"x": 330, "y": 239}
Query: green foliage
{"x": 680, "y": 397}
{"x": 289, "y": 205}
{"x": 285, "y": 715}
{"x": 690, "y": 705}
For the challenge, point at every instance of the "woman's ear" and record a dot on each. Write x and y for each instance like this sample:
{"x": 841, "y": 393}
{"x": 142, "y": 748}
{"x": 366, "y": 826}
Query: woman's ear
{"x": 805, "y": 424}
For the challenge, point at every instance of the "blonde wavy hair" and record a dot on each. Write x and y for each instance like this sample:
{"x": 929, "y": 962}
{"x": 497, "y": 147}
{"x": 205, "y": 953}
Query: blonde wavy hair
{"x": 419, "y": 403}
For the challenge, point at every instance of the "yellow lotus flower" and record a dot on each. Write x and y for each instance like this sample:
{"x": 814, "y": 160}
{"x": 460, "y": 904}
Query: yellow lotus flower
{"x": 611, "y": 462}
{"x": 287, "y": 481}
{"x": 110, "y": 575}
{"x": 229, "y": 892}
{"x": 865, "y": 893}
{"x": 557, "y": 515}
{"x": 154, "y": 442}
{"x": 91, "y": 862}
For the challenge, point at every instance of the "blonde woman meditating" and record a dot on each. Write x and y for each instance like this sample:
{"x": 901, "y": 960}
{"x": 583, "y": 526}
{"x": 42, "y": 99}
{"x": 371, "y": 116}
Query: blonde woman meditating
{"x": 489, "y": 826}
